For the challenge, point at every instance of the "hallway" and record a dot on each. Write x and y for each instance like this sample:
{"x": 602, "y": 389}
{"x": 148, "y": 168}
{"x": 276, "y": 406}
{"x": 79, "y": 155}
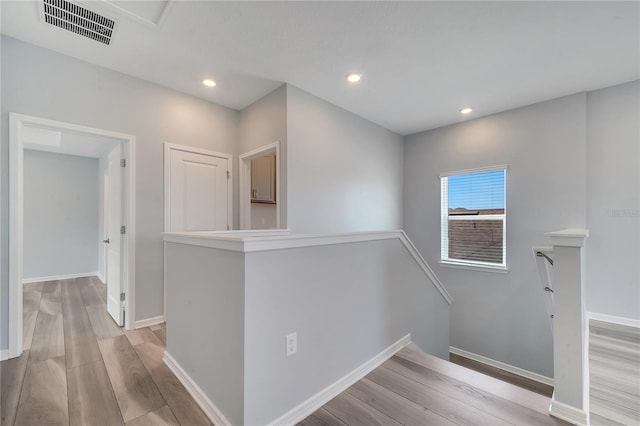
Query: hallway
{"x": 79, "y": 368}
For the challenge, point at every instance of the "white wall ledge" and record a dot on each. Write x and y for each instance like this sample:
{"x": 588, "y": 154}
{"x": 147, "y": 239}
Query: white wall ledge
{"x": 265, "y": 240}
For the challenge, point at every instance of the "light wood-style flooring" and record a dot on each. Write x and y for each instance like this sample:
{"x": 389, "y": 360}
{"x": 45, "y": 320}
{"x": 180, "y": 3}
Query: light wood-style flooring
{"x": 503, "y": 375}
{"x": 79, "y": 368}
{"x": 413, "y": 388}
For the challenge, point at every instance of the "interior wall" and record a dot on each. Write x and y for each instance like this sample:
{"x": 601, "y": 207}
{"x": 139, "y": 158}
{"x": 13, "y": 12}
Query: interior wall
{"x": 103, "y": 164}
{"x": 60, "y": 214}
{"x": 346, "y": 303}
{"x": 262, "y": 123}
{"x": 93, "y": 96}
{"x": 263, "y": 216}
{"x": 344, "y": 172}
{"x": 613, "y": 201}
{"x": 502, "y": 316}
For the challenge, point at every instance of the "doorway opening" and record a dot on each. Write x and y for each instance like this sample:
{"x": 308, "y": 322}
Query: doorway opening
{"x": 37, "y": 141}
{"x": 259, "y": 189}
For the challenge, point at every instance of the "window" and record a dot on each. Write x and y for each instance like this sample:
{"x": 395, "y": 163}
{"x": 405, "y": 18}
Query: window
{"x": 473, "y": 218}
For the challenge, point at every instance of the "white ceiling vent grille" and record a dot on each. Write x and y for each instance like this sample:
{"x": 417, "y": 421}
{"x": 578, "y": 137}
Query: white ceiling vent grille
{"x": 71, "y": 17}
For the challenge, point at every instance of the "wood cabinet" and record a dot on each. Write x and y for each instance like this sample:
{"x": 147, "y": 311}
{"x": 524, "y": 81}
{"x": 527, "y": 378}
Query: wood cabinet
{"x": 263, "y": 179}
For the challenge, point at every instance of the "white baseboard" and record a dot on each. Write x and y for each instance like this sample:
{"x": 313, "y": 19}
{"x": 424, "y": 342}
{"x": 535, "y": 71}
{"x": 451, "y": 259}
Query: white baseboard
{"x": 568, "y": 413}
{"x": 59, "y": 277}
{"x": 149, "y": 321}
{"x": 307, "y": 407}
{"x": 4, "y": 354}
{"x": 101, "y": 277}
{"x": 501, "y": 365}
{"x": 628, "y": 322}
{"x": 209, "y": 408}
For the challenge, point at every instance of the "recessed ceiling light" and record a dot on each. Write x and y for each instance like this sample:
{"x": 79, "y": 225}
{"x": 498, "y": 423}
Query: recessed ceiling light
{"x": 466, "y": 110}
{"x": 354, "y": 77}
{"x": 208, "y": 82}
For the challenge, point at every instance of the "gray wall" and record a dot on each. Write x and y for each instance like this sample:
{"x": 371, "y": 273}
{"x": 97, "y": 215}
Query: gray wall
{"x": 347, "y": 303}
{"x": 502, "y": 316}
{"x": 344, "y": 173}
{"x": 613, "y": 201}
{"x": 205, "y": 322}
{"x": 93, "y": 96}
{"x": 265, "y": 122}
{"x": 60, "y": 214}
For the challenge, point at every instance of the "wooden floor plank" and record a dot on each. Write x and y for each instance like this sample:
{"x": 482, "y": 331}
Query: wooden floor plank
{"x": 161, "y": 417}
{"x": 80, "y": 342}
{"x": 469, "y": 395}
{"x": 432, "y": 400}
{"x": 48, "y": 338}
{"x": 497, "y": 387}
{"x": 12, "y": 378}
{"x": 28, "y": 326}
{"x": 31, "y": 297}
{"x": 134, "y": 388}
{"x": 181, "y": 403}
{"x": 103, "y": 325}
{"x": 91, "y": 398}
{"x": 44, "y": 394}
{"x": 90, "y": 295}
{"x": 398, "y": 408}
{"x": 503, "y": 375}
{"x": 352, "y": 411}
{"x": 321, "y": 417}
{"x": 142, "y": 335}
{"x": 162, "y": 335}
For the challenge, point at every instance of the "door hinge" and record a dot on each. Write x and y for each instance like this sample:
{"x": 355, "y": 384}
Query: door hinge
{"x": 123, "y": 229}
{"x": 228, "y": 175}
{"x": 122, "y": 297}
{"x": 123, "y": 163}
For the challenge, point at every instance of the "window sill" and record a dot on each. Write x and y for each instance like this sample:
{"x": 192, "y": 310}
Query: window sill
{"x": 472, "y": 267}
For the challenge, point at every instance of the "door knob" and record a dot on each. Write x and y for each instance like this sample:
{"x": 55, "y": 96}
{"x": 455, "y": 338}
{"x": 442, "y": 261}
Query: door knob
{"x": 106, "y": 241}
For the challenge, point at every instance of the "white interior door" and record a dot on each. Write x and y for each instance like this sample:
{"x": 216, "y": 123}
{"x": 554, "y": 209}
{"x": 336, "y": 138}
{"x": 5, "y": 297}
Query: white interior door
{"x": 114, "y": 246}
{"x": 198, "y": 191}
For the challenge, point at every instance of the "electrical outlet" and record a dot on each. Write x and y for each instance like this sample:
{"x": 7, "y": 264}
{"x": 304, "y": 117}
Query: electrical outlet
{"x": 292, "y": 343}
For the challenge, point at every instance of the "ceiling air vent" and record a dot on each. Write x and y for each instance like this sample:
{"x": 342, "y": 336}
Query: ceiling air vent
{"x": 71, "y": 17}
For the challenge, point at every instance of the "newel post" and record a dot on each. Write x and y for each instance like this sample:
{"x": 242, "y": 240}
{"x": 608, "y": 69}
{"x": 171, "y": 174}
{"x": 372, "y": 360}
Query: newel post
{"x": 570, "y": 355}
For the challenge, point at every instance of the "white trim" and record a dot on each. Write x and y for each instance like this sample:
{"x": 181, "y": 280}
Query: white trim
{"x": 209, "y": 408}
{"x": 478, "y": 217}
{"x": 568, "y": 413}
{"x": 149, "y": 321}
{"x": 16, "y": 196}
{"x": 244, "y": 187}
{"x": 573, "y": 237}
{"x": 501, "y": 365}
{"x": 246, "y": 244}
{"x": 304, "y": 409}
{"x": 59, "y": 277}
{"x": 4, "y": 354}
{"x": 500, "y": 269}
{"x": 629, "y": 322}
{"x": 101, "y": 277}
{"x": 504, "y": 167}
{"x": 168, "y": 147}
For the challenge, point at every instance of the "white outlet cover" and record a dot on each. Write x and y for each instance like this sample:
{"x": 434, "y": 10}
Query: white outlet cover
{"x": 292, "y": 343}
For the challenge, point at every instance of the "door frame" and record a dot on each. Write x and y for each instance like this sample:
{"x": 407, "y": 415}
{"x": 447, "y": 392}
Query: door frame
{"x": 16, "y": 220}
{"x": 168, "y": 147}
{"x": 244, "y": 187}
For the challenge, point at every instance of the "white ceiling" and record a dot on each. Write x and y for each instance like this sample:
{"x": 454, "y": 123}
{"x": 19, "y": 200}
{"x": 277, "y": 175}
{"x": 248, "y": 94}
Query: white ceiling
{"x": 80, "y": 144}
{"x": 421, "y": 61}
